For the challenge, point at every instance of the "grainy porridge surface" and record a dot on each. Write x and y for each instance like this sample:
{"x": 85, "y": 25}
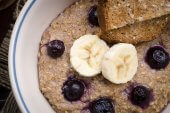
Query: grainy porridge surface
{"x": 70, "y": 25}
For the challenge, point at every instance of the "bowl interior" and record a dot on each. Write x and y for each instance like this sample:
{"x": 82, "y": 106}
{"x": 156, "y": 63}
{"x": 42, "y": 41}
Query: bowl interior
{"x": 33, "y": 20}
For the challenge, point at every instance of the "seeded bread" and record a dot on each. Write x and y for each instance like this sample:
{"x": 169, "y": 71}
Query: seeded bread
{"x": 114, "y": 14}
{"x": 138, "y": 32}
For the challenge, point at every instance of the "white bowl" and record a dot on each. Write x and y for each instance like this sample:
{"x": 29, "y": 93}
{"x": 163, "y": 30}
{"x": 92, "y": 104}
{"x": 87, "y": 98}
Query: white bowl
{"x": 34, "y": 18}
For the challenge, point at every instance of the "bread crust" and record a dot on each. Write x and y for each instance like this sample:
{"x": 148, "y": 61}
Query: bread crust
{"x": 138, "y": 32}
{"x": 114, "y": 14}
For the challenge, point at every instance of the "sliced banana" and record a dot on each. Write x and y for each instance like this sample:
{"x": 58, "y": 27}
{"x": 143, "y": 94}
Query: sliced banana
{"x": 120, "y": 63}
{"x": 86, "y": 55}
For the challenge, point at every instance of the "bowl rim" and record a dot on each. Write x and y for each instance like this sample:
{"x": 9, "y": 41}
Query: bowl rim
{"x": 12, "y": 56}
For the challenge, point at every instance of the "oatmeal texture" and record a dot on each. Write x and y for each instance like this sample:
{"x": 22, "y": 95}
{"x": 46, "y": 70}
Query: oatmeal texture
{"x": 69, "y": 26}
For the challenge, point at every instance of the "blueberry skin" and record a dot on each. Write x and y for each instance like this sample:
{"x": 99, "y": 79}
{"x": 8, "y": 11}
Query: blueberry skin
{"x": 141, "y": 96}
{"x": 93, "y": 16}
{"x": 157, "y": 57}
{"x": 102, "y": 105}
{"x": 55, "y": 48}
{"x": 73, "y": 89}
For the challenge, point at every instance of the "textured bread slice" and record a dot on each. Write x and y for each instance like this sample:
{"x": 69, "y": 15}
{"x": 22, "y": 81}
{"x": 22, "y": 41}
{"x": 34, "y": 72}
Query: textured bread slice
{"x": 114, "y": 14}
{"x": 138, "y": 32}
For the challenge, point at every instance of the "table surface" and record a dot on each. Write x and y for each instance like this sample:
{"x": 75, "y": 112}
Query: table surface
{"x": 6, "y": 20}
{"x": 6, "y": 17}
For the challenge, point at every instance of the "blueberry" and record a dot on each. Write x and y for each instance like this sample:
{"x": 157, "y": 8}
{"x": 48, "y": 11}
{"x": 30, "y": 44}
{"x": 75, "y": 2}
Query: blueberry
{"x": 102, "y": 105}
{"x": 140, "y": 96}
{"x": 157, "y": 57}
{"x": 73, "y": 89}
{"x": 55, "y": 48}
{"x": 93, "y": 16}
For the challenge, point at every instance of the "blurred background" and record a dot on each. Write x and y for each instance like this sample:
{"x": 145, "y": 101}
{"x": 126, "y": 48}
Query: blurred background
{"x": 9, "y": 11}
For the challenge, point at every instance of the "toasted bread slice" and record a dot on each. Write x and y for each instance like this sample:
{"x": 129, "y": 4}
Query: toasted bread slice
{"x": 138, "y": 32}
{"x": 114, "y": 14}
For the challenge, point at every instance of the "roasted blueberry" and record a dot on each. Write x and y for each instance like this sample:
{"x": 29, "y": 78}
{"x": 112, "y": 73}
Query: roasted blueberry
{"x": 55, "y": 48}
{"x": 157, "y": 57}
{"x": 73, "y": 89}
{"x": 102, "y": 105}
{"x": 93, "y": 16}
{"x": 140, "y": 96}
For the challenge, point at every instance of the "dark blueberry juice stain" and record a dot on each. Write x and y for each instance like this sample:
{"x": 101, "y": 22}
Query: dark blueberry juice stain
{"x": 140, "y": 95}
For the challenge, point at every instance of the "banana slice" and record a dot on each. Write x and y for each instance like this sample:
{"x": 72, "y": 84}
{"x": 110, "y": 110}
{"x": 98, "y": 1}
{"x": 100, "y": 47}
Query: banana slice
{"x": 86, "y": 55}
{"x": 120, "y": 63}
